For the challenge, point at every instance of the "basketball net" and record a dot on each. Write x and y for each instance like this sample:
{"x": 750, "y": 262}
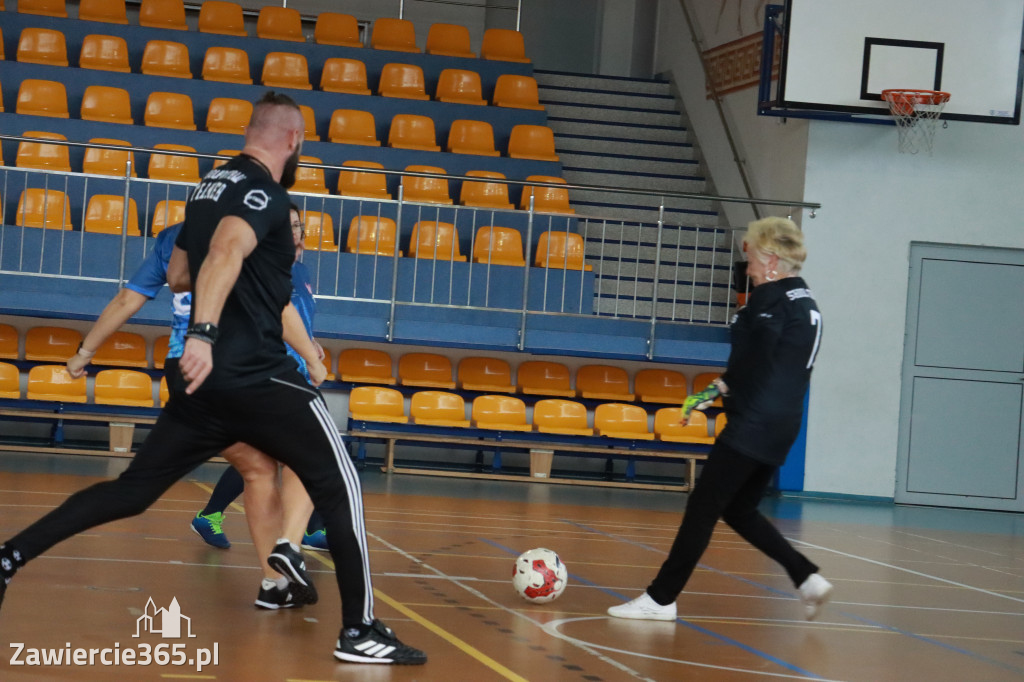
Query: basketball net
{"x": 916, "y": 113}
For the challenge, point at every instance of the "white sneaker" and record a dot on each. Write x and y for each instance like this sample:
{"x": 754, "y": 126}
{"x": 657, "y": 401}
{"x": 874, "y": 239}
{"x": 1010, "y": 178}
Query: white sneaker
{"x": 644, "y": 608}
{"x": 814, "y": 592}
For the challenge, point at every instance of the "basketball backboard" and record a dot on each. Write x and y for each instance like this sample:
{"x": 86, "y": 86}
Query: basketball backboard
{"x": 838, "y": 56}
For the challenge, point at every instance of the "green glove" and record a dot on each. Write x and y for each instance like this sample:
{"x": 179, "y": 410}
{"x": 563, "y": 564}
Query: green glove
{"x": 700, "y": 401}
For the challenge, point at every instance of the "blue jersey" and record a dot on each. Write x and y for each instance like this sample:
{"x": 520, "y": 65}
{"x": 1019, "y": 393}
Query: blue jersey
{"x": 302, "y": 299}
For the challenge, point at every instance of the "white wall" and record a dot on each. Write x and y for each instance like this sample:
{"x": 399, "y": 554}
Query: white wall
{"x": 876, "y": 202}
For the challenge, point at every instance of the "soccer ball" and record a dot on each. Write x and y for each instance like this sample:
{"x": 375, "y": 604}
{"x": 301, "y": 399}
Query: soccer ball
{"x": 539, "y": 576}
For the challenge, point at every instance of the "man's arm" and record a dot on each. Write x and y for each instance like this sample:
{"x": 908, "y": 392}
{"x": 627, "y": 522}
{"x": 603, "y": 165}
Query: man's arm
{"x": 178, "y": 278}
{"x": 232, "y": 242}
{"x": 125, "y": 304}
{"x": 295, "y": 335}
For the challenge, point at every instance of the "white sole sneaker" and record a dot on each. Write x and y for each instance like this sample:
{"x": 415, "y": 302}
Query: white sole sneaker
{"x": 814, "y": 593}
{"x": 644, "y": 608}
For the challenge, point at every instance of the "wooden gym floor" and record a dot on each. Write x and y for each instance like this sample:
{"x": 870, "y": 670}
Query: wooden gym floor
{"x": 921, "y": 594}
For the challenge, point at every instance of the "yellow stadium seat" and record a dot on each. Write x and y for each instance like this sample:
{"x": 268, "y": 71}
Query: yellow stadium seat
{"x": 485, "y": 194}
{"x": 498, "y": 246}
{"x": 491, "y": 375}
{"x": 557, "y": 249}
{"x": 166, "y": 58}
{"x": 173, "y": 166}
{"x": 603, "y": 382}
{"x": 412, "y": 131}
{"x": 365, "y": 366}
{"x": 105, "y": 214}
{"x": 309, "y": 180}
{"x": 532, "y": 142}
{"x": 450, "y": 40}
{"x": 564, "y": 417}
{"x": 8, "y": 342}
{"x": 165, "y": 394}
{"x": 228, "y": 115}
{"x": 377, "y": 404}
{"x": 10, "y": 381}
{"x": 319, "y": 231}
{"x": 471, "y": 137}
{"x": 309, "y": 117}
{"x": 661, "y": 386}
{"x": 286, "y": 70}
{"x": 720, "y": 422}
{"x": 163, "y": 14}
{"x": 226, "y": 65}
{"x": 160, "y": 348}
{"x": 517, "y": 92}
{"x": 280, "y": 23}
{"x": 500, "y": 413}
{"x": 425, "y": 189}
{"x": 504, "y": 45}
{"x": 328, "y": 365}
{"x": 540, "y": 377}
{"x": 225, "y": 152}
{"x": 124, "y": 387}
{"x": 107, "y": 11}
{"x": 97, "y": 161}
{"x": 437, "y": 408}
{"x": 122, "y": 349}
{"x": 46, "y": 8}
{"x": 110, "y": 105}
{"x": 397, "y": 35}
{"x": 404, "y": 81}
{"x": 702, "y": 381}
{"x": 668, "y": 428}
{"x": 219, "y": 16}
{"x": 546, "y": 199}
{"x": 47, "y": 208}
{"x": 51, "y": 344}
{"x": 361, "y": 184}
{"x": 104, "y": 53}
{"x": 168, "y": 212}
{"x": 52, "y": 382}
{"x": 42, "y": 46}
{"x": 353, "y": 126}
{"x": 435, "y": 240}
{"x": 425, "y": 369}
{"x": 43, "y": 156}
{"x": 459, "y": 86}
{"x": 344, "y": 75}
{"x": 333, "y": 28}
{"x": 372, "y": 235}
{"x": 169, "y": 110}
{"x": 42, "y": 98}
{"x": 617, "y": 420}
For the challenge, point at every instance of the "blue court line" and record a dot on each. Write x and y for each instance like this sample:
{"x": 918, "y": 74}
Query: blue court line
{"x": 703, "y": 631}
{"x": 891, "y": 628}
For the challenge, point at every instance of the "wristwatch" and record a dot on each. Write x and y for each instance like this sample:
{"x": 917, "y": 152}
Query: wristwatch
{"x": 204, "y": 331}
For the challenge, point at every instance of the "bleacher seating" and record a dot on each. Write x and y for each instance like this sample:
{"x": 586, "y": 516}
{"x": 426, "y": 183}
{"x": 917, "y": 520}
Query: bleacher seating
{"x": 333, "y": 28}
{"x": 485, "y": 194}
{"x": 353, "y": 126}
{"x": 319, "y": 231}
{"x": 397, "y": 35}
{"x": 280, "y": 23}
{"x": 404, "y": 81}
{"x": 98, "y": 161}
{"x": 618, "y": 420}
{"x": 377, "y": 404}
{"x": 168, "y": 212}
{"x": 106, "y": 11}
{"x": 668, "y": 428}
{"x": 360, "y": 184}
{"x": 425, "y": 190}
{"x": 174, "y": 167}
{"x": 546, "y": 199}
{"x": 500, "y": 413}
{"x": 123, "y": 387}
{"x": 471, "y": 137}
{"x": 485, "y": 374}
{"x": 372, "y": 235}
{"x": 307, "y": 179}
{"x": 47, "y": 208}
{"x": 435, "y": 240}
{"x": 104, "y": 53}
{"x": 363, "y": 365}
{"x": 556, "y": 249}
{"x": 160, "y": 348}
{"x": 221, "y": 17}
{"x": 515, "y": 91}
{"x": 227, "y": 65}
{"x": 344, "y": 75}
{"x": 42, "y": 46}
{"x": 412, "y": 131}
{"x": 503, "y": 45}
{"x": 8, "y": 342}
{"x": 52, "y": 382}
{"x": 286, "y": 70}
{"x": 53, "y": 157}
{"x": 603, "y": 382}
{"x": 541, "y": 377}
{"x": 229, "y": 115}
{"x": 437, "y": 408}
{"x": 104, "y": 214}
{"x": 122, "y": 349}
{"x": 166, "y": 58}
{"x": 310, "y": 120}
{"x": 428, "y": 370}
{"x": 42, "y": 98}
{"x": 450, "y": 40}
{"x": 102, "y": 103}
{"x": 532, "y": 142}
{"x": 460, "y": 86}
{"x": 163, "y": 14}
{"x": 10, "y": 381}
{"x": 564, "y": 417}
{"x": 498, "y": 246}
{"x": 170, "y": 110}
{"x": 51, "y": 343}
{"x": 46, "y": 8}
{"x": 660, "y": 386}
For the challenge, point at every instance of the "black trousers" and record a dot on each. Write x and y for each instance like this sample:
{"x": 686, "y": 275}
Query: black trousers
{"x": 730, "y": 488}
{"x": 281, "y": 416}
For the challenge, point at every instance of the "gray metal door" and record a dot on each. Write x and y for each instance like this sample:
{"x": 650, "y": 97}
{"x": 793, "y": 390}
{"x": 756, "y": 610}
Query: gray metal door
{"x": 962, "y": 405}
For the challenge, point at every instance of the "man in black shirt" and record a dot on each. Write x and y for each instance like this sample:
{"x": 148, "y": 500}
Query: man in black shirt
{"x": 235, "y": 382}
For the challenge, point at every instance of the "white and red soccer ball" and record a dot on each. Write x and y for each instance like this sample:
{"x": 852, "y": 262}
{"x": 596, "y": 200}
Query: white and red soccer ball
{"x": 539, "y": 576}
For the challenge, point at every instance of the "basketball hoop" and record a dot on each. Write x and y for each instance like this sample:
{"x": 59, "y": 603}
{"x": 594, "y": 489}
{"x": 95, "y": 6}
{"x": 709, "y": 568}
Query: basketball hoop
{"x": 917, "y": 114}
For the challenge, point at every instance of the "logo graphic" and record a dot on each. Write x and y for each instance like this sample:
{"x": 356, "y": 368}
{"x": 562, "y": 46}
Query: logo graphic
{"x": 256, "y": 199}
{"x": 163, "y": 622}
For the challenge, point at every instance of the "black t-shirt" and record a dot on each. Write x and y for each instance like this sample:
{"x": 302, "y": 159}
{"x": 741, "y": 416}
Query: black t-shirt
{"x": 250, "y": 347}
{"x": 775, "y": 338}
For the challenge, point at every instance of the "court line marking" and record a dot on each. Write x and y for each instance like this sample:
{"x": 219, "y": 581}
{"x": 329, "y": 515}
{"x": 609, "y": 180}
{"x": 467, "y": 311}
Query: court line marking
{"x": 433, "y": 627}
{"x": 209, "y": 490}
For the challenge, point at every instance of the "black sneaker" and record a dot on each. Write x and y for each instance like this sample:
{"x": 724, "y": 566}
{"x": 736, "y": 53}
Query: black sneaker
{"x": 379, "y": 645}
{"x": 291, "y": 565}
{"x": 276, "y": 598}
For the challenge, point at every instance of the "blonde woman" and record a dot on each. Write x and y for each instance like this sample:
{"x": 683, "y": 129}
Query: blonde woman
{"x": 775, "y": 339}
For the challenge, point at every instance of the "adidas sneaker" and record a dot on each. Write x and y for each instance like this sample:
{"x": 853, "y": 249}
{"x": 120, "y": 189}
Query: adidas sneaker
{"x": 378, "y": 645}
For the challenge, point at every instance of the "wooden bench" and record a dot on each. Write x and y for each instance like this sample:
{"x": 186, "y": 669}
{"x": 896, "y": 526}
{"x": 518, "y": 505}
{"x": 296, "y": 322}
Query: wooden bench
{"x": 121, "y": 421}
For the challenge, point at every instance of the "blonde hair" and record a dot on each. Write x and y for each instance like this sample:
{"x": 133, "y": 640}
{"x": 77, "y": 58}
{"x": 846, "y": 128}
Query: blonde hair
{"x": 778, "y": 236}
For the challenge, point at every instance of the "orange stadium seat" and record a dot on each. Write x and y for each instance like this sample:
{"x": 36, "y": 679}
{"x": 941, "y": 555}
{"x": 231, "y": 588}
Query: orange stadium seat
{"x": 105, "y": 214}
{"x": 498, "y": 246}
{"x": 377, "y": 404}
{"x": 286, "y": 70}
{"x": 165, "y": 394}
{"x": 398, "y": 35}
{"x": 532, "y": 142}
{"x": 173, "y": 166}
{"x": 564, "y": 417}
{"x": 280, "y": 23}
{"x": 720, "y": 422}
{"x": 485, "y": 194}
{"x": 309, "y": 180}
{"x": 163, "y": 14}
{"x": 404, "y": 81}
{"x": 365, "y": 366}
{"x": 110, "y": 105}
{"x": 702, "y": 381}
{"x": 10, "y": 380}
{"x": 122, "y": 349}
{"x": 540, "y": 377}
{"x": 622, "y": 421}
{"x": 160, "y": 349}
{"x": 168, "y": 212}
{"x": 333, "y": 28}
{"x": 485, "y": 374}
{"x": 104, "y": 53}
{"x": 51, "y": 344}
{"x": 668, "y": 428}
{"x": 362, "y": 184}
{"x": 558, "y": 249}
{"x": 8, "y": 342}
{"x": 47, "y": 208}
{"x": 107, "y": 11}
{"x": 319, "y": 231}
{"x": 372, "y": 235}
{"x": 425, "y": 189}
{"x": 309, "y": 118}
{"x": 328, "y": 365}
{"x": 42, "y": 98}
{"x": 412, "y": 131}
{"x": 123, "y": 387}
{"x": 225, "y": 152}
{"x": 226, "y": 65}
{"x": 459, "y": 86}
{"x": 500, "y": 413}
{"x": 42, "y": 46}
{"x": 219, "y": 16}
{"x": 603, "y": 382}
{"x": 43, "y": 156}
{"x": 353, "y": 126}
{"x": 344, "y": 75}
{"x": 169, "y": 110}
{"x": 504, "y": 45}
{"x": 228, "y": 115}
{"x": 517, "y": 92}
{"x": 437, "y": 408}
{"x": 435, "y": 240}
{"x": 546, "y": 199}
{"x": 52, "y": 382}
{"x": 471, "y": 137}
{"x": 450, "y": 40}
{"x": 425, "y": 369}
{"x": 97, "y": 161}
{"x": 661, "y": 386}
{"x": 46, "y": 8}
{"x": 166, "y": 58}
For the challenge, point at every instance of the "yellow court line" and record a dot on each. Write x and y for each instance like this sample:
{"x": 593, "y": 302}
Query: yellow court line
{"x": 436, "y": 629}
{"x": 189, "y": 677}
{"x": 237, "y": 507}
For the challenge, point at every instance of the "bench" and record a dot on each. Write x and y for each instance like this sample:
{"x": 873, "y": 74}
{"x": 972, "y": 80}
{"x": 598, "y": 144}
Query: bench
{"x": 121, "y": 420}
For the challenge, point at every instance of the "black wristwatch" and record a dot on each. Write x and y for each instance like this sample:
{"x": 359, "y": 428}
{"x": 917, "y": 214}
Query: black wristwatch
{"x": 204, "y": 331}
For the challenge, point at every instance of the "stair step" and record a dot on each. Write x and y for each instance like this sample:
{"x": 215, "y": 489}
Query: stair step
{"x": 629, "y": 100}
{"x": 630, "y": 164}
{"x": 618, "y": 131}
{"x": 626, "y": 148}
{"x": 666, "y": 183}
{"x": 614, "y": 115}
{"x": 599, "y": 212}
{"x": 609, "y": 83}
